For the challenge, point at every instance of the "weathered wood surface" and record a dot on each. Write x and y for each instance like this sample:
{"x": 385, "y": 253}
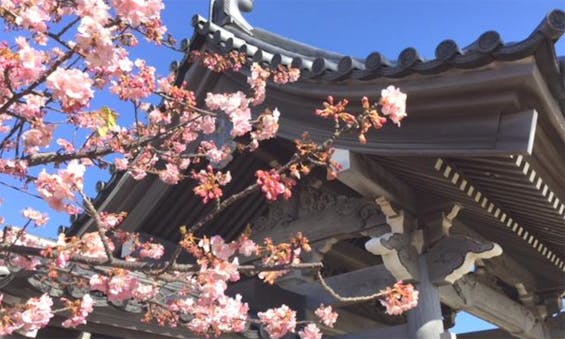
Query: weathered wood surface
{"x": 400, "y": 331}
{"x": 470, "y": 295}
{"x": 504, "y": 267}
{"x": 371, "y": 180}
{"x": 425, "y": 321}
{"x": 319, "y": 216}
{"x": 353, "y": 284}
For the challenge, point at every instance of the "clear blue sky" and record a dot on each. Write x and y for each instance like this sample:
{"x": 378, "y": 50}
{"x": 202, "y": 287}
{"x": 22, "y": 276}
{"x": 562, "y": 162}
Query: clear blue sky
{"x": 352, "y": 27}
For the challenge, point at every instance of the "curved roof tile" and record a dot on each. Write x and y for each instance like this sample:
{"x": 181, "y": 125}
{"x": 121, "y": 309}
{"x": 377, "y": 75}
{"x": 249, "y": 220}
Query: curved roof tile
{"x": 315, "y": 63}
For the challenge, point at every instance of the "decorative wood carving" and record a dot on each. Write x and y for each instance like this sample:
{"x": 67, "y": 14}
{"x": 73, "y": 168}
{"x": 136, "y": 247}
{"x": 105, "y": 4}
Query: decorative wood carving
{"x": 399, "y": 255}
{"x": 316, "y": 204}
{"x": 453, "y": 257}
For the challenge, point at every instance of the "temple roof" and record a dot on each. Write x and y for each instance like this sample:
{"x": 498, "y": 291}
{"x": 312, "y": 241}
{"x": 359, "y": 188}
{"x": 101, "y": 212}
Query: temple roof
{"x": 266, "y": 47}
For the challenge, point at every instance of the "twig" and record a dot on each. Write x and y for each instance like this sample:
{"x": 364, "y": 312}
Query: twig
{"x": 334, "y": 294}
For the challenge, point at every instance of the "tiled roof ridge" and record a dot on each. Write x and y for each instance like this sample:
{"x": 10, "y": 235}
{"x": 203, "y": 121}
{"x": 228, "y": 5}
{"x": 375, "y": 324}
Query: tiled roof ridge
{"x": 266, "y": 47}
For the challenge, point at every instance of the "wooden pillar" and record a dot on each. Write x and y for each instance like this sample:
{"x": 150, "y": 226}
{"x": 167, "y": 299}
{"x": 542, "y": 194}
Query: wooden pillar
{"x": 425, "y": 321}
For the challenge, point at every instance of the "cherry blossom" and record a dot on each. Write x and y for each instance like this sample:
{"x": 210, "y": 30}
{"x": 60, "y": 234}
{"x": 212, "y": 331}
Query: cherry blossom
{"x": 273, "y": 184}
{"x": 80, "y": 310}
{"x": 327, "y": 316}
{"x": 38, "y": 137}
{"x": 247, "y": 247}
{"x": 278, "y": 321}
{"x": 58, "y": 189}
{"x": 72, "y": 87}
{"x": 137, "y": 12}
{"x": 209, "y": 183}
{"x": 394, "y": 104}
{"x": 40, "y": 219}
{"x": 52, "y": 137}
{"x": 37, "y": 313}
{"x": 152, "y": 250}
{"x": 400, "y": 298}
{"x": 310, "y": 331}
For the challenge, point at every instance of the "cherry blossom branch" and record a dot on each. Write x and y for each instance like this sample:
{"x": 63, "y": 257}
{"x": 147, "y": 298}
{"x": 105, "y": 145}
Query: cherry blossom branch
{"x": 36, "y": 83}
{"x": 334, "y": 294}
{"x": 91, "y": 210}
{"x": 146, "y": 266}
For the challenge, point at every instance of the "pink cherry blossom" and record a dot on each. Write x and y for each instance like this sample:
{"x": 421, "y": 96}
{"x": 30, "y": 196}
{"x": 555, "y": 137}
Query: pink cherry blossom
{"x": 220, "y": 249}
{"x": 92, "y": 246}
{"x": 31, "y": 61}
{"x": 136, "y": 87}
{"x": 58, "y": 189}
{"x": 80, "y": 313}
{"x": 400, "y": 298}
{"x": 393, "y": 103}
{"x": 99, "y": 283}
{"x": 258, "y": 82}
{"x": 326, "y": 315}
{"x": 95, "y": 9}
{"x": 137, "y": 12}
{"x": 111, "y": 220}
{"x": 152, "y": 250}
{"x": 32, "y": 109}
{"x": 34, "y": 18}
{"x": 170, "y": 175}
{"x": 209, "y": 183}
{"x": 278, "y": 321}
{"x": 62, "y": 260}
{"x": 144, "y": 291}
{"x": 38, "y": 137}
{"x": 40, "y": 219}
{"x": 247, "y": 247}
{"x": 72, "y": 87}
{"x": 25, "y": 263}
{"x": 268, "y": 125}
{"x": 273, "y": 184}
{"x": 310, "y": 331}
{"x": 37, "y": 313}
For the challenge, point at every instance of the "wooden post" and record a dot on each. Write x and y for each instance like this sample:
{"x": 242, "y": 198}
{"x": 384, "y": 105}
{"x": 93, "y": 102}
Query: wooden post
{"x": 425, "y": 321}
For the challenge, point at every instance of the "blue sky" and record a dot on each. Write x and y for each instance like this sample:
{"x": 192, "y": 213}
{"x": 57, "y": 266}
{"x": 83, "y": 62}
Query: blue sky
{"x": 351, "y": 27}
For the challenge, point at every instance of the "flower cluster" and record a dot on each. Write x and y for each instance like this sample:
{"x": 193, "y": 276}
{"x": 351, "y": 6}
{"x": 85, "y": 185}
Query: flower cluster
{"x": 399, "y": 298}
{"x": 32, "y": 315}
{"x": 393, "y": 103}
{"x": 80, "y": 309}
{"x": 72, "y": 87}
{"x": 38, "y": 218}
{"x": 58, "y": 189}
{"x": 282, "y": 255}
{"x": 274, "y": 184}
{"x": 327, "y": 316}
{"x": 278, "y": 321}
{"x": 209, "y": 183}
{"x": 47, "y": 84}
{"x": 233, "y": 61}
{"x": 122, "y": 286}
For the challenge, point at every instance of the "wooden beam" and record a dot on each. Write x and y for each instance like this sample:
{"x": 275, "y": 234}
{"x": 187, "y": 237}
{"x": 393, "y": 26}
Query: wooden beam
{"x": 319, "y": 215}
{"x": 503, "y": 266}
{"x": 488, "y": 334}
{"x": 352, "y": 284}
{"x": 399, "y": 331}
{"x": 371, "y": 180}
{"x": 482, "y": 134}
{"x": 485, "y": 302}
{"x": 425, "y": 320}
{"x": 348, "y": 322}
{"x": 467, "y": 294}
